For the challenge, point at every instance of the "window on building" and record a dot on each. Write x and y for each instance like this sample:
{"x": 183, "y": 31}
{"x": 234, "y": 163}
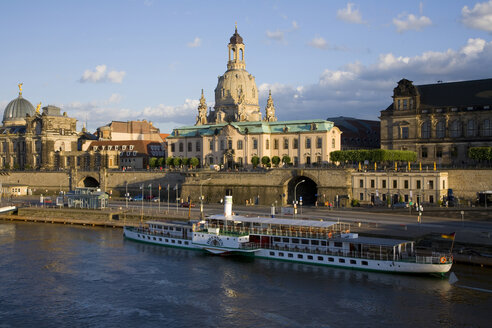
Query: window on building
{"x": 319, "y": 143}
{"x": 267, "y": 144}
{"x": 470, "y": 129}
{"x": 197, "y": 146}
{"x": 240, "y": 161}
{"x": 431, "y": 199}
{"x": 222, "y": 145}
{"x": 229, "y": 144}
{"x": 431, "y": 184}
{"x": 275, "y": 143}
{"x": 419, "y": 184}
{"x": 404, "y": 132}
{"x": 240, "y": 144}
{"x": 487, "y": 128}
{"x": 296, "y": 161}
{"x": 441, "y": 129}
{"x": 361, "y": 196}
{"x": 373, "y": 183}
{"x": 454, "y": 151}
{"x": 211, "y": 145}
{"x": 286, "y": 143}
{"x": 425, "y": 132}
{"x": 172, "y": 148}
{"x": 439, "y": 152}
{"x": 361, "y": 183}
{"x": 318, "y": 160}
{"x": 181, "y": 147}
{"x": 395, "y": 184}
{"x": 296, "y": 144}
{"x": 399, "y": 103}
{"x": 255, "y": 143}
{"x": 424, "y": 152}
{"x": 308, "y": 160}
{"x": 405, "y": 183}
{"x": 308, "y": 143}
{"x": 405, "y": 103}
{"x": 443, "y": 184}
{"x": 190, "y": 147}
{"x": 455, "y": 129}
{"x": 333, "y": 143}
{"x": 384, "y": 183}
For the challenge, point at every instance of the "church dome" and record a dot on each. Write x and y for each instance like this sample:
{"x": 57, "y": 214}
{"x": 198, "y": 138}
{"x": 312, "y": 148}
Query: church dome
{"x": 236, "y": 38}
{"x": 16, "y": 110}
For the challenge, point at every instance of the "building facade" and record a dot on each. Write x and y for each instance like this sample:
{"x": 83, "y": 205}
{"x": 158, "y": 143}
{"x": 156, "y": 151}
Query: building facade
{"x": 234, "y": 131}
{"x": 358, "y": 134}
{"x": 423, "y": 187}
{"x": 30, "y": 139}
{"x": 440, "y": 122}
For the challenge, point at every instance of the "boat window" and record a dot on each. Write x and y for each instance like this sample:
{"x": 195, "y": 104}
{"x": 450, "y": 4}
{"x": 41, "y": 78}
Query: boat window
{"x": 310, "y": 257}
{"x": 291, "y": 255}
{"x": 338, "y": 244}
{"x": 179, "y": 241}
{"x": 138, "y": 235}
{"x": 148, "y": 237}
{"x": 153, "y": 238}
{"x": 341, "y": 260}
{"x": 186, "y": 243}
{"x": 330, "y": 259}
{"x": 299, "y": 256}
{"x": 320, "y": 258}
{"x": 295, "y": 241}
{"x": 280, "y": 254}
{"x": 353, "y": 262}
{"x": 167, "y": 240}
{"x": 305, "y": 241}
{"x": 160, "y": 239}
{"x": 364, "y": 263}
{"x": 276, "y": 239}
{"x": 173, "y": 241}
{"x": 272, "y": 253}
{"x": 164, "y": 228}
{"x": 178, "y": 229}
{"x": 285, "y": 240}
{"x": 323, "y": 243}
{"x": 314, "y": 242}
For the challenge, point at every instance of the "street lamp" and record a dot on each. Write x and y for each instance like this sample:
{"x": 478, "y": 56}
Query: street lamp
{"x": 126, "y": 193}
{"x": 295, "y": 197}
{"x": 201, "y": 197}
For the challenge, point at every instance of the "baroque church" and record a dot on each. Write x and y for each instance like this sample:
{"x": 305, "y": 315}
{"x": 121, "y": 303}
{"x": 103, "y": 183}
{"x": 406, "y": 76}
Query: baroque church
{"x": 235, "y": 131}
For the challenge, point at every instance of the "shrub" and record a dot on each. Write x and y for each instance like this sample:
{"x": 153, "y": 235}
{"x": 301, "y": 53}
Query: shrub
{"x": 286, "y": 160}
{"x": 255, "y": 160}
{"x": 153, "y": 161}
{"x": 176, "y": 161}
{"x": 275, "y": 160}
{"x": 265, "y": 160}
{"x": 194, "y": 162}
{"x": 170, "y": 161}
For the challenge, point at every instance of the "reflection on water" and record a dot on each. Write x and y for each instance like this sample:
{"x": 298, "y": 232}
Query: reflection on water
{"x": 54, "y": 275}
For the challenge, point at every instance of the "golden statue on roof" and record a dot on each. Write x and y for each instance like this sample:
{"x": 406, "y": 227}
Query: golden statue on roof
{"x": 38, "y": 107}
{"x": 20, "y": 88}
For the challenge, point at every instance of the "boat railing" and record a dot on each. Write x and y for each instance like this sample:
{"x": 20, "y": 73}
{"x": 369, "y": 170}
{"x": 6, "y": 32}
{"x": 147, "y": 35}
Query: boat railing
{"x": 276, "y": 232}
{"x": 147, "y": 231}
{"x": 436, "y": 258}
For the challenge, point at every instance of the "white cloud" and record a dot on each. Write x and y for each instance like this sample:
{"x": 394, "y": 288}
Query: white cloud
{"x": 350, "y": 14}
{"x": 295, "y": 26}
{"x": 100, "y": 74}
{"x": 406, "y": 22}
{"x": 275, "y": 35}
{"x": 103, "y": 111}
{"x": 363, "y": 90}
{"x": 318, "y": 42}
{"x": 196, "y": 43}
{"x": 480, "y": 17}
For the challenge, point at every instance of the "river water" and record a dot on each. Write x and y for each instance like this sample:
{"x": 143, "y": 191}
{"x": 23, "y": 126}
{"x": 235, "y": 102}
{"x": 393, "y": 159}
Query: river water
{"x": 60, "y": 276}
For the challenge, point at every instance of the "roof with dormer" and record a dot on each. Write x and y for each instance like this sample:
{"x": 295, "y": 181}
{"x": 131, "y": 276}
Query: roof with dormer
{"x": 258, "y": 127}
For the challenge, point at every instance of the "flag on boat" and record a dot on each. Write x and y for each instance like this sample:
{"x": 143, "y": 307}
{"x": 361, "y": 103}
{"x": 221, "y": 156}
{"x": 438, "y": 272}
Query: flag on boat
{"x": 449, "y": 236}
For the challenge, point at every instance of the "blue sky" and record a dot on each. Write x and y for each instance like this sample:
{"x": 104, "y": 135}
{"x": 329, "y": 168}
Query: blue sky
{"x": 149, "y": 59}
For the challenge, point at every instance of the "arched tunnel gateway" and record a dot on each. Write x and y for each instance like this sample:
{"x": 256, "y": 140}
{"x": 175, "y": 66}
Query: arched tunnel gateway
{"x": 307, "y": 190}
{"x": 88, "y": 182}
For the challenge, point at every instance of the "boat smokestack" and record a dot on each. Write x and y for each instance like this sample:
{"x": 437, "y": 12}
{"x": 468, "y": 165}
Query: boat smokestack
{"x": 228, "y": 206}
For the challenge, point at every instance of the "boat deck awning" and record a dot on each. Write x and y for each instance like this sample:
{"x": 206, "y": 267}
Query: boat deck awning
{"x": 274, "y": 221}
{"x": 371, "y": 241}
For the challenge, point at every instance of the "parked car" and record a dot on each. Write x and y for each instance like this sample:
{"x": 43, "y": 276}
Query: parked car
{"x": 186, "y": 204}
{"x": 137, "y": 198}
{"x": 400, "y": 205}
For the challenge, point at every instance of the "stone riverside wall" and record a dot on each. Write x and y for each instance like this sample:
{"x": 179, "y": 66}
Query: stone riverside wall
{"x": 466, "y": 183}
{"x": 269, "y": 185}
{"x": 266, "y": 186}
